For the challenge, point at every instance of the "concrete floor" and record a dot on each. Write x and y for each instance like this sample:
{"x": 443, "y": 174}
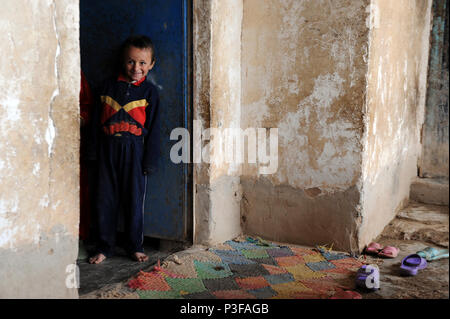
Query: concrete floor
{"x": 415, "y": 227}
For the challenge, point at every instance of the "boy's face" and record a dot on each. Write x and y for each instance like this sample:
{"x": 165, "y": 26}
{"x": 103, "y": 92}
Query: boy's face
{"x": 137, "y": 63}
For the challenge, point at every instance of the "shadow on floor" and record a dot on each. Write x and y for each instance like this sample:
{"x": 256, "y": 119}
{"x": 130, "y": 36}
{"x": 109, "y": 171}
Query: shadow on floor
{"x": 117, "y": 268}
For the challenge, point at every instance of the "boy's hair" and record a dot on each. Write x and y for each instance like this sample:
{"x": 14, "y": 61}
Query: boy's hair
{"x": 138, "y": 41}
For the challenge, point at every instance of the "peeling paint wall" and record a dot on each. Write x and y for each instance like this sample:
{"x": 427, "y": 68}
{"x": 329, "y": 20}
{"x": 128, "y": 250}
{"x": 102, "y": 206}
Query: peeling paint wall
{"x": 396, "y": 86}
{"x": 435, "y": 144}
{"x": 39, "y": 147}
{"x": 201, "y": 113}
{"x": 217, "y": 72}
{"x": 344, "y": 82}
{"x": 304, "y": 71}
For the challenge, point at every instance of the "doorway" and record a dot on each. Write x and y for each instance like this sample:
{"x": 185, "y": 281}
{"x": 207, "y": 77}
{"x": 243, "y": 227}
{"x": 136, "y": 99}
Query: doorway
{"x": 104, "y": 25}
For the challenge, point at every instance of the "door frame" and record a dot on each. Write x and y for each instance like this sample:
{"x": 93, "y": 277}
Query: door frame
{"x": 188, "y": 117}
{"x": 187, "y": 168}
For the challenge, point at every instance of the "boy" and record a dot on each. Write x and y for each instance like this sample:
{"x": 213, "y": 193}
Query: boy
{"x": 126, "y": 134}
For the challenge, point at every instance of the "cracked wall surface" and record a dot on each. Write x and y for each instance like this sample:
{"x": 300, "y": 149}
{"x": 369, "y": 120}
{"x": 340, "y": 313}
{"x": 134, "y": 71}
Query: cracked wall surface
{"x": 303, "y": 72}
{"x": 39, "y": 147}
{"x": 343, "y": 81}
{"x": 217, "y": 87}
{"x": 435, "y": 146}
{"x": 396, "y": 89}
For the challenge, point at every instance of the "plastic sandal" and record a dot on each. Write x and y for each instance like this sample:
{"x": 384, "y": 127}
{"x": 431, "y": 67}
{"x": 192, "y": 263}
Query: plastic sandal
{"x": 373, "y": 248}
{"x": 432, "y": 253}
{"x": 411, "y": 264}
{"x": 389, "y": 252}
{"x": 363, "y": 273}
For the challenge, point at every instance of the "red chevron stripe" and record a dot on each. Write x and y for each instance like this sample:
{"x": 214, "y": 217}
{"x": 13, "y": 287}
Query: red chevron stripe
{"x": 108, "y": 111}
{"x": 138, "y": 113}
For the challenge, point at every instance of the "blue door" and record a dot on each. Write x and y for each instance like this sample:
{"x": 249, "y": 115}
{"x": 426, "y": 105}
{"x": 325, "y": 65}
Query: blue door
{"x": 104, "y": 25}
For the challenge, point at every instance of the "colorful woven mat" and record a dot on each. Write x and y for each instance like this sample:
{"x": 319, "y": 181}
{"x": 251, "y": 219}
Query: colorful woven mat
{"x": 251, "y": 269}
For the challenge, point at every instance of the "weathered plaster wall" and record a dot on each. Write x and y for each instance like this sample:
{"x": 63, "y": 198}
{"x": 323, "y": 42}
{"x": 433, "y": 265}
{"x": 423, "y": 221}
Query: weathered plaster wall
{"x": 304, "y": 72}
{"x": 217, "y": 69}
{"x": 344, "y": 84}
{"x": 39, "y": 142}
{"x": 201, "y": 101}
{"x": 396, "y": 86}
{"x": 435, "y": 146}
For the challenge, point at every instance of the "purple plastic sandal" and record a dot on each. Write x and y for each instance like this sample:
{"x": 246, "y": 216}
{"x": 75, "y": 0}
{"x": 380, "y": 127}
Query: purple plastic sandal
{"x": 411, "y": 264}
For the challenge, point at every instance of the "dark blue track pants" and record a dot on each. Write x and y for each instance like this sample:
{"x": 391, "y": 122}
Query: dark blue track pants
{"x": 121, "y": 183}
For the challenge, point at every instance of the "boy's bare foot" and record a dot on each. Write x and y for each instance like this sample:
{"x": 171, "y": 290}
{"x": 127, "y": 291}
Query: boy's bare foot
{"x": 141, "y": 257}
{"x": 97, "y": 258}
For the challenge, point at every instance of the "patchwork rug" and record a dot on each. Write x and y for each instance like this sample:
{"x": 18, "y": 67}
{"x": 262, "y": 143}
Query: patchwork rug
{"x": 250, "y": 269}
